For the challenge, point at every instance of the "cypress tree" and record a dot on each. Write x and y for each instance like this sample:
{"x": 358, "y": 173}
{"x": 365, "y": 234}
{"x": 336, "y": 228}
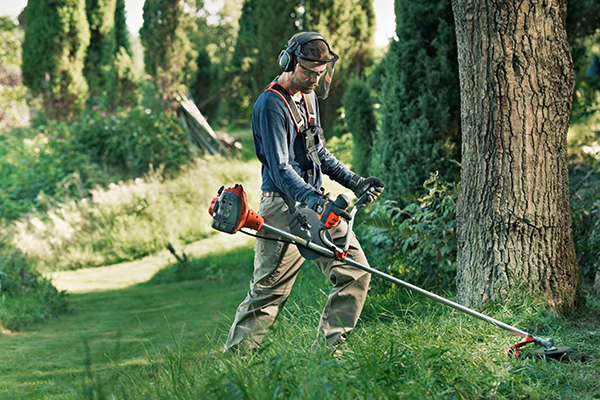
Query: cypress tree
{"x": 121, "y": 31}
{"x": 122, "y": 83}
{"x": 205, "y": 85}
{"x": 103, "y": 44}
{"x": 168, "y": 53}
{"x": 360, "y": 121}
{"x": 56, "y": 39}
{"x": 348, "y": 26}
{"x": 265, "y": 27}
{"x": 420, "y": 104}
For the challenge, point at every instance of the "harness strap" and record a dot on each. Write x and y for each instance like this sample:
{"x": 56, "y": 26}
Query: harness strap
{"x": 312, "y": 133}
{"x": 290, "y": 104}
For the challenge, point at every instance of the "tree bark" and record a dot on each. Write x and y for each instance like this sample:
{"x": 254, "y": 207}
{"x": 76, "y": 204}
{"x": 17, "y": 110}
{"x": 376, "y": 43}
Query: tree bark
{"x": 513, "y": 214}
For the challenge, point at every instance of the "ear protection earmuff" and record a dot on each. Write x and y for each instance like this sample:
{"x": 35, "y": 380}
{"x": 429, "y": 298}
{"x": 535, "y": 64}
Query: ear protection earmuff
{"x": 286, "y": 57}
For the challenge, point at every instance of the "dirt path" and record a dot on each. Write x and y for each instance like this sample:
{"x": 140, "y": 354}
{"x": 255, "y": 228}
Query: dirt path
{"x": 119, "y": 276}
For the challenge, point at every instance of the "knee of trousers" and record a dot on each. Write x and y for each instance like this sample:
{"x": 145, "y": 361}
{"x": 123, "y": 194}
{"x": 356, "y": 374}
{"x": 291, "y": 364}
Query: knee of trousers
{"x": 257, "y": 291}
{"x": 345, "y": 275}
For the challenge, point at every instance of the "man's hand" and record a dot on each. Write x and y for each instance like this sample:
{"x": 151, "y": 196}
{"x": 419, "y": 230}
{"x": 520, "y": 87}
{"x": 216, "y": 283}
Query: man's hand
{"x": 372, "y": 186}
{"x": 329, "y": 213}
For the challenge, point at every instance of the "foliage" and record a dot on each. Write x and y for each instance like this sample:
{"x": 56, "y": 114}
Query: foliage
{"x": 205, "y": 85}
{"x": 584, "y": 176}
{"x": 60, "y": 160}
{"x": 169, "y": 56}
{"x": 103, "y": 45}
{"x": 12, "y": 91}
{"x": 25, "y": 296}
{"x": 583, "y": 23}
{"x": 418, "y": 241}
{"x": 342, "y": 146}
{"x": 349, "y": 27}
{"x": 265, "y": 27}
{"x": 54, "y": 49}
{"x": 215, "y": 39}
{"x": 420, "y": 102}
{"x": 134, "y": 140}
{"x": 121, "y": 31}
{"x": 41, "y": 162}
{"x": 360, "y": 121}
{"x": 131, "y": 219}
{"x": 123, "y": 84}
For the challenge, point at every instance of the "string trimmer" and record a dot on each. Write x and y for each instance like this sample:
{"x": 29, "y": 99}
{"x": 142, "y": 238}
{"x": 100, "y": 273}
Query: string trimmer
{"x": 230, "y": 213}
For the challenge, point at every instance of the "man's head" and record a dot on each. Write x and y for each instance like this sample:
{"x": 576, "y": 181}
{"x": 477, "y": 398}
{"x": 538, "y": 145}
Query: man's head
{"x": 310, "y": 62}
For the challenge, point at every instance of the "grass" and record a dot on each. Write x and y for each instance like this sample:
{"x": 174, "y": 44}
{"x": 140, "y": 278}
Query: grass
{"x": 124, "y": 327}
{"x": 132, "y": 219}
{"x": 162, "y": 340}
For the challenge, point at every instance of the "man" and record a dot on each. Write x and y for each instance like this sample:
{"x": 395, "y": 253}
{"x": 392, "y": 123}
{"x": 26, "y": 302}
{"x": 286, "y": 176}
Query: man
{"x": 290, "y": 145}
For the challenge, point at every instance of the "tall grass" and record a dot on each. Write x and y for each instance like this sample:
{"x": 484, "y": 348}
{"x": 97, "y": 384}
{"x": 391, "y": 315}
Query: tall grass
{"x": 131, "y": 219}
{"x": 406, "y": 347}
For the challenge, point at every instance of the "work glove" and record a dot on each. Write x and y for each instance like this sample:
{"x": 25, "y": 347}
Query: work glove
{"x": 372, "y": 186}
{"x": 329, "y": 212}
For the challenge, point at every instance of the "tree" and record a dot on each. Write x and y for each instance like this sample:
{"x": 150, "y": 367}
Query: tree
{"x": 215, "y": 40}
{"x": 349, "y": 27}
{"x": 265, "y": 27}
{"x": 121, "y": 32}
{"x": 56, "y": 39}
{"x": 168, "y": 53}
{"x": 205, "y": 85}
{"x": 420, "y": 103}
{"x": 103, "y": 45}
{"x": 513, "y": 215}
{"x": 361, "y": 122}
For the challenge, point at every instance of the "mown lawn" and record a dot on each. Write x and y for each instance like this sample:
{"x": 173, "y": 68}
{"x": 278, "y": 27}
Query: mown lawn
{"x": 124, "y": 327}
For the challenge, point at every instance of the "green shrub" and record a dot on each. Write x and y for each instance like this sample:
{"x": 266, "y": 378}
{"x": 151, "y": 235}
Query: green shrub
{"x": 420, "y": 103}
{"x": 342, "y": 148}
{"x": 132, "y": 219}
{"x": 58, "y": 161}
{"x": 25, "y": 296}
{"x": 360, "y": 121}
{"x": 134, "y": 140}
{"x": 124, "y": 83}
{"x": 584, "y": 175}
{"x": 417, "y": 242}
{"x": 43, "y": 162}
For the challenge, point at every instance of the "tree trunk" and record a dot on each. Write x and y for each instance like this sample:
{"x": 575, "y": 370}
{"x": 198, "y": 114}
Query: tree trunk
{"x": 513, "y": 215}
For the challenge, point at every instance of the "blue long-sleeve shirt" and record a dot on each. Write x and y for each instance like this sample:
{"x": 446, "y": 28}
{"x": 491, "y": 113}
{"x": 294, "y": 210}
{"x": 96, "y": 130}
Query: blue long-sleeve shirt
{"x": 281, "y": 155}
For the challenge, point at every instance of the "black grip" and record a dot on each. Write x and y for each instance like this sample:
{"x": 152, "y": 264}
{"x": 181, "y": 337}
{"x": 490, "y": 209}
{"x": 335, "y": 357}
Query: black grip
{"x": 363, "y": 200}
{"x": 342, "y": 201}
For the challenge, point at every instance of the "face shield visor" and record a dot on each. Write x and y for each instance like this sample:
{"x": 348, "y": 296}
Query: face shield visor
{"x": 313, "y": 69}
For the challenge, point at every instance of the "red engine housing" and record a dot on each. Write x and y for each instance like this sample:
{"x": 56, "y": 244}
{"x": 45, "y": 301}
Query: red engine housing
{"x": 231, "y": 213}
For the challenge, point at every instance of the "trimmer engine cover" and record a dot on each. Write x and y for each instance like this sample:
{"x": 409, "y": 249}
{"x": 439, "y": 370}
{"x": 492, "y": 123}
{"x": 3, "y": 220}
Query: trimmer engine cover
{"x": 230, "y": 211}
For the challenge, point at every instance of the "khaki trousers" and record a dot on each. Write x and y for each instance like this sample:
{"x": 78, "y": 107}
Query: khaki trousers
{"x": 276, "y": 266}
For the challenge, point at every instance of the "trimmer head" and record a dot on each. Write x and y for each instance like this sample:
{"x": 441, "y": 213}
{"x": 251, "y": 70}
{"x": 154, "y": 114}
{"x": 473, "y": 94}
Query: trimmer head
{"x": 559, "y": 353}
{"x": 546, "y": 350}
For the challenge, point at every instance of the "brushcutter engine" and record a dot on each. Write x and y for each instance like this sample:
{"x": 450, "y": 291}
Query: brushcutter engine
{"x": 231, "y": 213}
